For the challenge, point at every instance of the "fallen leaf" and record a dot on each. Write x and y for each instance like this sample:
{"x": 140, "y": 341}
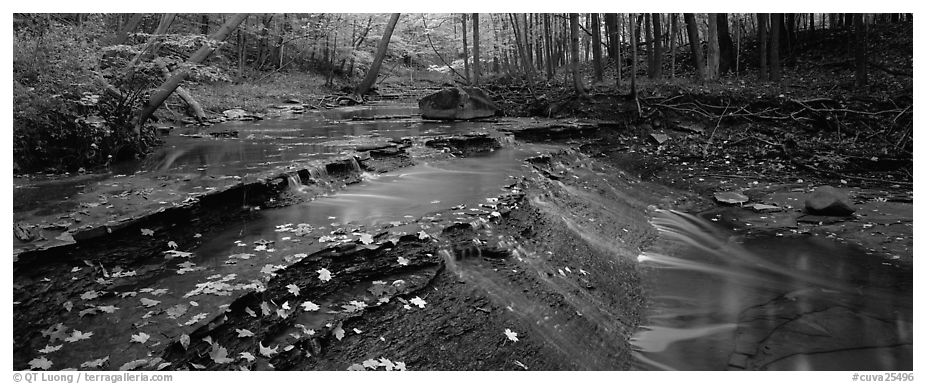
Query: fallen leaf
{"x": 177, "y": 311}
{"x": 250, "y": 311}
{"x": 208, "y": 340}
{"x": 134, "y": 364}
{"x": 309, "y": 306}
{"x": 418, "y": 301}
{"x": 68, "y": 306}
{"x": 371, "y": 364}
{"x": 356, "y": 367}
{"x": 247, "y": 356}
{"x": 78, "y": 336}
{"x": 324, "y": 274}
{"x": 50, "y": 349}
{"x": 422, "y": 235}
{"x": 98, "y": 363}
{"x": 89, "y": 295}
{"x": 293, "y": 288}
{"x": 403, "y": 261}
{"x": 147, "y": 232}
{"x": 366, "y": 238}
{"x": 338, "y": 332}
{"x": 357, "y": 331}
{"x": 400, "y": 365}
{"x": 384, "y": 362}
{"x": 244, "y": 332}
{"x": 40, "y": 363}
{"x": 513, "y": 336}
{"x": 286, "y": 305}
{"x": 730, "y": 197}
{"x": 88, "y": 311}
{"x": 108, "y": 308}
{"x": 264, "y": 308}
{"x": 267, "y": 352}
{"x": 185, "y": 340}
{"x": 282, "y": 313}
{"x": 197, "y": 366}
{"x": 148, "y": 303}
{"x": 219, "y": 355}
{"x": 141, "y": 338}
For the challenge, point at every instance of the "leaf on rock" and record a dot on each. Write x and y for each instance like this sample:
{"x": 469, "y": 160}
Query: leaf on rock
{"x": 356, "y": 367}
{"x": 134, "y": 364}
{"x": 730, "y": 197}
{"x": 185, "y": 340}
{"x": 267, "y": 352}
{"x": 309, "y": 306}
{"x": 264, "y": 308}
{"x": 366, "y": 238}
{"x": 98, "y": 363}
{"x": 147, "y": 232}
{"x": 247, "y": 356}
{"x": 50, "y": 349}
{"x": 293, "y": 288}
{"x": 89, "y": 295}
{"x": 196, "y": 319}
{"x": 68, "y": 306}
{"x": 422, "y": 235}
{"x": 78, "y": 336}
{"x": 108, "y": 308}
{"x": 513, "y": 336}
{"x": 403, "y": 261}
{"x": 40, "y": 363}
{"x": 177, "y": 311}
{"x": 324, "y": 274}
{"x": 338, "y": 332}
{"x": 172, "y": 245}
{"x": 286, "y": 305}
{"x": 418, "y": 301}
{"x": 371, "y": 363}
{"x": 140, "y": 338}
{"x": 244, "y": 333}
{"x": 250, "y": 312}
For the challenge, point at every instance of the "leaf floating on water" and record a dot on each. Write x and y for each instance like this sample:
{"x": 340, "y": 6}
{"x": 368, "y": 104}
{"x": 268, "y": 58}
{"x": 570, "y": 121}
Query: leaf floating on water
{"x": 148, "y": 303}
{"x": 108, "y": 308}
{"x": 244, "y": 333}
{"x": 177, "y": 311}
{"x": 250, "y": 312}
{"x": 418, "y": 301}
{"x": 50, "y": 349}
{"x": 147, "y": 232}
{"x": 338, "y": 332}
{"x": 40, "y": 363}
{"x": 309, "y": 306}
{"x": 366, "y": 238}
{"x": 219, "y": 355}
{"x": 730, "y": 197}
{"x": 140, "y": 338}
{"x": 403, "y": 261}
{"x": 247, "y": 356}
{"x": 293, "y": 288}
{"x": 513, "y": 336}
{"x": 185, "y": 340}
{"x": 324, "y": 274}
{"x": 89, "y": 295}
{"x": 98, "y": 363}
{"x": 78, "y": 336}
{"x": 267, "y": 352}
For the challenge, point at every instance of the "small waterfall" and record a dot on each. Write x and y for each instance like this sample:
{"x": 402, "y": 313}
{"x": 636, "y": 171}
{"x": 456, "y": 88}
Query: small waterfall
{"x": 318, "y": 173}
{"x": 294, "y": 183}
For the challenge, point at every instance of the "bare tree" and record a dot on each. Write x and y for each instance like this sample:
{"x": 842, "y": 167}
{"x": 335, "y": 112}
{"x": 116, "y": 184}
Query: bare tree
{"x": 713, "y": 48}
{"x": 656, "y": 66}
{"x": 373, "y": 73}
{"x": 477, "y": 63}
{"x": 861, "y": 52}
{"x": 465, "y": 50}
{"x": 774, "y": 43}
{"x": 763, "y": 45}
{"x": 695, "y": 43}
{"x": 596, "y": 46}
{"x": 574, "y": 47}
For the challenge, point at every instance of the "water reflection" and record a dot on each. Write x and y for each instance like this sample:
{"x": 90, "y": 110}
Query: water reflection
{"x": 774, "y": 303}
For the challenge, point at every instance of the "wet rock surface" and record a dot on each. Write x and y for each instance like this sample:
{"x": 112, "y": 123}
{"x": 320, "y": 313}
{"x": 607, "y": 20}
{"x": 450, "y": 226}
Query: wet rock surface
{"x": 460, "y": 103}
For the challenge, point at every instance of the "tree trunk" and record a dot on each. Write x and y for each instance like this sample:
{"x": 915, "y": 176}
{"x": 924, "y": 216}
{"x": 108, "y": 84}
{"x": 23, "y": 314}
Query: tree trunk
{"x": 204, "y": 25}
{"x": 168, "y": 87}
{"x": 596, "y": 46}
{"x": 763, "y": 46}
{"x": 861, "y": 52}
{"x": 695, "y": 43}
{"x": 154, "y": 42}
{"x": 574, "y": 45}
{"x": 548, "y": 41}
{"x": 650, "y": 62}
{"x": 634, "y": 28}
{"x": 774, "y": 42}
{"x": 184, "y": 95}
{"x": 713, "y": 48}
{"x": 673, "y": 24}
{"x": 727, "y": 50}
{"x": 617, "y": 49}
{"x": 657, "y": 47}
{"x": 123, "y": 35}
{"x": 465, "y": 50}
{"x": 371, "y": 75}
{"x": 477, "y": 63}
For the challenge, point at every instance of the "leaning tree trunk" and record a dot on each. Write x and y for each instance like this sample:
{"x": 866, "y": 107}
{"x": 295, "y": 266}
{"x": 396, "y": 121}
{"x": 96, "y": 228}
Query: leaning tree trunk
{"x": 184, "y": 95}
{"x": 574, "y": 47}
{"x": 371, "y": 75}
{"x": 695, "y": 43}
{"x": 168, "y": 87}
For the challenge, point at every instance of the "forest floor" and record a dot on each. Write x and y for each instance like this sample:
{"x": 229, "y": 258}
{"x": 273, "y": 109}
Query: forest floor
{"x": 541, "y": 276}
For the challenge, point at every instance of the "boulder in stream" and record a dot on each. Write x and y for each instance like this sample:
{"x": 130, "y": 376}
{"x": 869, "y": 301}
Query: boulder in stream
{"x": 460, "y": 103}
{"x": 828, "y": 201}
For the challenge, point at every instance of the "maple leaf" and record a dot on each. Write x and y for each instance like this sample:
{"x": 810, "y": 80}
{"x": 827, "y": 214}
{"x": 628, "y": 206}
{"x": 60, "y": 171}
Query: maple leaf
{"x": 148, "y": 303}
{"x": 371, "y": 363}
{"x": 247, "y": 356}
{"x": 422, "y": 235}
{"x": 78, "y": 336}
{"x": 50, "y": 349}
{"x": 219, "y": 355}
{"x": 208, "y": 340}
{"x": 264, "y": 308}
{"x": 55, "y": 332}
{"x": 309, "y": 306}
{"x": 324, "y": 274}
{"x": 283, "y": 314}
{"x": 98, "y": 363}
{"x": 108, "y": 308}
{"x": 513, "y": 336}
{"x": 366, "y": 238}
{"x": 338, "y": 332}
{"x": 400, "y": 365}
{"x": 40, "y": 363}
{"x": 356, "y": 367}
{"x": 172, "y": 245}
{"x": 176, "y": 311}
{"x": 244, "y": 332}
{"x": 147, "y": 232}
{"x": 140, "y": 338}
{"x": 267, "y": 352}
{"x": 68, "y": 306}
{"x": 250, "y": 311}
{"x": 403, "y": 261}
{"x": 293, "y": 288}
{"x": 185, "y": 340}
{"x": 418, "y": 301}
{"x": 89, "y": 295}
{"x": 134, "y": 364}
{"x": 384, "y": 362}
{"x": 286, "y": 305}
{"x": 196, "y": 319}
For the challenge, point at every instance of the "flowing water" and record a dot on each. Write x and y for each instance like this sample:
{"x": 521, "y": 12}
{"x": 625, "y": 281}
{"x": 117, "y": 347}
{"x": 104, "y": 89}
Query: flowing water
{"x": 770, "y": 303}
